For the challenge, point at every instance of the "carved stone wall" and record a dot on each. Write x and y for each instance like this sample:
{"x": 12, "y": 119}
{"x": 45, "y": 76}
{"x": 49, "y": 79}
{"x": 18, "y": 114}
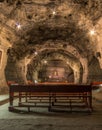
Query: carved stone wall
{"x": 36, "y": 30}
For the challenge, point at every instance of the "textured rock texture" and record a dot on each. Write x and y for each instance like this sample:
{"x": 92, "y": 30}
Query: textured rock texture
{"x": 68, "y": 30}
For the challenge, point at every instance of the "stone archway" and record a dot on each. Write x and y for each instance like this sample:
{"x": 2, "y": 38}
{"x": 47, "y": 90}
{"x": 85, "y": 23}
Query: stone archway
{"x": 73, "y": 63}
{"x": 55, "y": 70}
{"x": 65, "y": 47}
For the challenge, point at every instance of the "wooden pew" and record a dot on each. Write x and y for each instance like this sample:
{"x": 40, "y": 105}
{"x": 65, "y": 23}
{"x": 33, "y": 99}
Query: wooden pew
{"x": 52, "y": 92}
{"x": 96, "y": 85}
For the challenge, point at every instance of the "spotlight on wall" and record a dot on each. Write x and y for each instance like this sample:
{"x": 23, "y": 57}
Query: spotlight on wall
{"x": 35, "y": 52}
{"x": 92, "y": 32}
{"x": 18, "y": 25}
{"x": 67, "y": 62}
{"x": 45, "y": 61}
{"x": 54, "y": 12}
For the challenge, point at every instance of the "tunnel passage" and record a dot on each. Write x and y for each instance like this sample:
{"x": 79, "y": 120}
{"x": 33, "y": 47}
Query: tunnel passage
{"x": 56, "y": 71}
{"x": 49, "y": 62}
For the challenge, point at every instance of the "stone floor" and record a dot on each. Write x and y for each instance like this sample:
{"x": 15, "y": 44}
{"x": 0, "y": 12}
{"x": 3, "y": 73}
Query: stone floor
{"x": 41, "y": 119}
{"x": 4, "y": 97}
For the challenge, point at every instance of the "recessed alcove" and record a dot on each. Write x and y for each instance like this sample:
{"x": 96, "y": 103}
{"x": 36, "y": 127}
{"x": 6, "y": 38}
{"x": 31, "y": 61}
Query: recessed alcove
{"x": 56, "y": 71}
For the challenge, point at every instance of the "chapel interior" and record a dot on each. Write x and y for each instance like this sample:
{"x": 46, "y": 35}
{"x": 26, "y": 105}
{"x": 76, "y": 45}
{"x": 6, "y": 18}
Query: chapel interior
{"x": 50, "y": 41}
{"x": 50, "y": 64}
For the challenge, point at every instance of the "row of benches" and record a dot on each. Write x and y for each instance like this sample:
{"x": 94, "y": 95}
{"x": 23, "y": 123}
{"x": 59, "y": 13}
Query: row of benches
{"x": 71, "y": 97}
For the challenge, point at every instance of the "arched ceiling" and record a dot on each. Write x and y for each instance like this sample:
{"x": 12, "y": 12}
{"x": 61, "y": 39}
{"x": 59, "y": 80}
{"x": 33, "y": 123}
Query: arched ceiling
{"x": 26, "y": 24}
{"x": 50, "y": 29}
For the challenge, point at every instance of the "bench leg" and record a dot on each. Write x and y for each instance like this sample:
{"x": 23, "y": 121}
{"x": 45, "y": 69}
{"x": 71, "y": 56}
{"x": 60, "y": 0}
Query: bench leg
{"x": 28, "y": 109}
{"x": 26, "y": 94}
{"x": 70, "y": 105}
{"x": 11, "y": 108}
{"x": 54, "y": 99}
{"x": 50, "y": 104}
{"x": 20, "y": 98}
{"x": 90, "y": 103}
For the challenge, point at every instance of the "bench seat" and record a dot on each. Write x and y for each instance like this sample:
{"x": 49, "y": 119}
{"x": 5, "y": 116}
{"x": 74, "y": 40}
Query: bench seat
{"x": 69, "y": 95}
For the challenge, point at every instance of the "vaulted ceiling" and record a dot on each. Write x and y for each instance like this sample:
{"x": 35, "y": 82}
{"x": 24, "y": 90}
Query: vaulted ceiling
{"x": 27, "y": 23}
{"x": 65, "y": 27}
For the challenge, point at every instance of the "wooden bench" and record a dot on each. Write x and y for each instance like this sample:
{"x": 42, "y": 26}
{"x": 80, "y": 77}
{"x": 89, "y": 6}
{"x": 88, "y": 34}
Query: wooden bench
{"x": 96, "y": 85}
{"x": 67, "y": 95}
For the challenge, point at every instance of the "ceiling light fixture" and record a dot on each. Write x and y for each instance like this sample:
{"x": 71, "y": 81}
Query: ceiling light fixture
{"x": 35, "y": 52}
{"x": 45, "y": 61}
{"x": 92, "y": 32}
{"x": 54, "y": 12}
{"x": 18, "y": 26}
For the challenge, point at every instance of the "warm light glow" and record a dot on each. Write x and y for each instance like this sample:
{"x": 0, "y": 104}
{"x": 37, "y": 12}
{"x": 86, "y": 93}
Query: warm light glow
{"x": 45, "y": 61}
{"x": 36, "y": 81}
{"x": 50, "y": 76}
{"x": 54, "y": 12}
{"x": 55, "y": 73}
{"x": 35, "y": 53}
{"x": 18, "y": 26}
{"x": 92, "y": 32}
